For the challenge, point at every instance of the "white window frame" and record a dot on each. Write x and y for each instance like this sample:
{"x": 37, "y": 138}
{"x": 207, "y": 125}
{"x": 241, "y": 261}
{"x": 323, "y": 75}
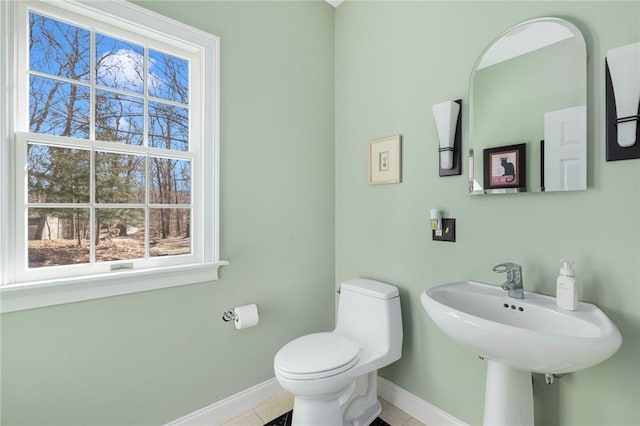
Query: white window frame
{"x": 18, "y": 295}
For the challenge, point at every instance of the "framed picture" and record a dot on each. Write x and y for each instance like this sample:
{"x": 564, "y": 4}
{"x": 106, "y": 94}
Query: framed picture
{"x": 505, "y": 167}
{"x": 385, "y": 160}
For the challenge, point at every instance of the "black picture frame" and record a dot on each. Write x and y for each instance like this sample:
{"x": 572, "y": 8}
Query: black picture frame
{"x": 542, "y": 165}
{"x": 505, "y": 167}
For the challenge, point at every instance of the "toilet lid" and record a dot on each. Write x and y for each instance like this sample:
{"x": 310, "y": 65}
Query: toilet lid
{"x": 317, "y": 355}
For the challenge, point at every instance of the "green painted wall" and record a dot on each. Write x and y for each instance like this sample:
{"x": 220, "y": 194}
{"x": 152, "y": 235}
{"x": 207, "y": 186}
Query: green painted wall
{"x": 149, "y": 358}
{"x": 394, "y": 60}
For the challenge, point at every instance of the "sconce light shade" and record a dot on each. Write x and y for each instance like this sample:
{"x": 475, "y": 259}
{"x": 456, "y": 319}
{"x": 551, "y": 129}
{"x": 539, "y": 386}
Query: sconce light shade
{"x": 623, "y": 102}
{"x": 447, "y": 116}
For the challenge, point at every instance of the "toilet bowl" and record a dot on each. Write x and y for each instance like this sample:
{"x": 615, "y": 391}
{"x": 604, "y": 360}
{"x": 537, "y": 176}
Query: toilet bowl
{"x": 333, "y": 375}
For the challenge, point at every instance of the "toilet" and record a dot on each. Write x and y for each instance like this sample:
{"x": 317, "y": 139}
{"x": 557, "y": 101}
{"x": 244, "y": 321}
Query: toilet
{"x": 333, "y": 375}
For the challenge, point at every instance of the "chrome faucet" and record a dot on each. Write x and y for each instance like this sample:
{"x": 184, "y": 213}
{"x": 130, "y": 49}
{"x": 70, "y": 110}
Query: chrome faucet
{"x": 514, "y": 279}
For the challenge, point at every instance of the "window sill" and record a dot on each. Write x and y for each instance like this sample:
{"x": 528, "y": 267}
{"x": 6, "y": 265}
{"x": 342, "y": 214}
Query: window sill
{"x": 19, "y": 297}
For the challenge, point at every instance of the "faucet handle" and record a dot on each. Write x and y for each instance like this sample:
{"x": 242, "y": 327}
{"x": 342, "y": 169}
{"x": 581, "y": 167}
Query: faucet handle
{"x": 506, "y": 267}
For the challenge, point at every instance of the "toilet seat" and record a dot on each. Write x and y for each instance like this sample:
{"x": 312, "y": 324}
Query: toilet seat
{"x": 316, "y": 356}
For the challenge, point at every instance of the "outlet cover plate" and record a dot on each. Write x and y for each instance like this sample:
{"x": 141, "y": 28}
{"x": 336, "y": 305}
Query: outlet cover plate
{"x": 448, "y": 231}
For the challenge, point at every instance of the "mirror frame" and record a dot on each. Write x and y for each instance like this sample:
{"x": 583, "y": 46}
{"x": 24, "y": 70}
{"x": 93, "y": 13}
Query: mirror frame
{"x": 473, "y": 160}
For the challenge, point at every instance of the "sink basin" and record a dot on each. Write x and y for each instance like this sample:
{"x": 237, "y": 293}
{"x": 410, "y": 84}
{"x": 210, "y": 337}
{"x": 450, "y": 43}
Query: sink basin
{"x": 530, "y": 334}
{"x": 518, "y": 337}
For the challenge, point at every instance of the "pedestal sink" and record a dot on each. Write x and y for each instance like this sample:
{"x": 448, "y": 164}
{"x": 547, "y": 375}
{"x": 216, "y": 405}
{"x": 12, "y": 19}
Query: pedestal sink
{"x": 518, "y": 337}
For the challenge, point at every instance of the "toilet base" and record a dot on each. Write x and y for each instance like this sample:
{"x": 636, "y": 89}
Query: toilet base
{"x": 316, "y": 412}
{"x": 367, "y": 416}
{"x": 357, "y": 405}
{"x": 328, "y": 413}
{"x": 363, "y": 406}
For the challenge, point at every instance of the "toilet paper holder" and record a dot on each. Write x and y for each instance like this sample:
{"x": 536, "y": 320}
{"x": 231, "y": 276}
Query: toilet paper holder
{"x": 228, "y": 315}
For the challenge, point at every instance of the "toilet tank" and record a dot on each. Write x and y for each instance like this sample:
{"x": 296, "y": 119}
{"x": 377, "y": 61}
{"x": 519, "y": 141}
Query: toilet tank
{"x": 369, "y": 314}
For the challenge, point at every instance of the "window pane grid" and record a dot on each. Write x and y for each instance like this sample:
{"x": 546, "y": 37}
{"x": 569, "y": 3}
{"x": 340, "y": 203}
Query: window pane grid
{"x": 92, "y": 81}
{"x": 106, "y": 89}
{"x": 145, "y": 118}
{"x": 94, "y": 127}
{"x": 91, "y": 145}
{"x": 107, "y": 206}
{"x": 165, "y": 86}
{"x": 88, "y": 233}
{"x": 60, "y": 78}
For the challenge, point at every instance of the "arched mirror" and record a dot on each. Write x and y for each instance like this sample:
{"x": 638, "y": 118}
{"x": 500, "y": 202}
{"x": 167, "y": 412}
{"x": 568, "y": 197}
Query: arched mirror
{"x": 527, "y": 111}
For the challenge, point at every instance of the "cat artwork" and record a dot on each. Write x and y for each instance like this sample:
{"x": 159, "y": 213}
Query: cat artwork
{"x": 505, "y": 167}
{"x": 509, "y": 170}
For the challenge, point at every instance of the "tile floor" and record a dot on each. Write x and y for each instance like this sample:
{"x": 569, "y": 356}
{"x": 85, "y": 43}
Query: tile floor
{"x": 279, "y": 405}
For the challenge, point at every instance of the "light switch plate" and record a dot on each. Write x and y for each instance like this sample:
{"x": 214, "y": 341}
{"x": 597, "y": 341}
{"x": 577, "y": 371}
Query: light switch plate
{"x": 448, "y": 231}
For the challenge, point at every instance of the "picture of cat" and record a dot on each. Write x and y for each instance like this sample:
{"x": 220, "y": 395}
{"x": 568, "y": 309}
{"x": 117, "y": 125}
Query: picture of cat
{"x": 504, "y": 168}
{"x": 509, "y": 169}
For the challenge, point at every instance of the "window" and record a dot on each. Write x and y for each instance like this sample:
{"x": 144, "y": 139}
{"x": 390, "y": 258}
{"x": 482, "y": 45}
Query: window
{"x": 113, "y": 137}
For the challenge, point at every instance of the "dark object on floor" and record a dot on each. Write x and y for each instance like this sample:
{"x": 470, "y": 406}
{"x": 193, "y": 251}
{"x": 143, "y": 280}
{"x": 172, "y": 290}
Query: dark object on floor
{"x": 285, "y": 420}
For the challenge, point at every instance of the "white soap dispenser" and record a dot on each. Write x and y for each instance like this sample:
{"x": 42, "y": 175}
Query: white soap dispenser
{"x": 566, "y": 292}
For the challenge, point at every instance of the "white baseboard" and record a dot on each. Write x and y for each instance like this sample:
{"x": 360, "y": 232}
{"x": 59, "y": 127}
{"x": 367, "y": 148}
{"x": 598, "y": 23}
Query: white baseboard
{"x": 233, "y": 406}
{"x": 415, "y": 406}
{"x": 248, "y": 399}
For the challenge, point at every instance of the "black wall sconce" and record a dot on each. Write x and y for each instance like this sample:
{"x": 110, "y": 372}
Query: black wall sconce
{"x": 448, "y": 123}
{"x": 622, "y": 67}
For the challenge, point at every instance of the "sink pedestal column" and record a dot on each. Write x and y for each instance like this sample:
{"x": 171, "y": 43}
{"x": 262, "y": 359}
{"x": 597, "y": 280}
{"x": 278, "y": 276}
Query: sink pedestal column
{"x": 508, "y": 399}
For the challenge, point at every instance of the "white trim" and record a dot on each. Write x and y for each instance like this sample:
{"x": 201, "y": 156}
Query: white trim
{"x": 19, "y": 297}
{"x": 7, "y": 111}
{"x": 415, "y": 406}
{"x": 334, "y": 3}
{"x": 231, "y": 407}
{"x": 117, "y": 12}
{"x": 248, "y": 399}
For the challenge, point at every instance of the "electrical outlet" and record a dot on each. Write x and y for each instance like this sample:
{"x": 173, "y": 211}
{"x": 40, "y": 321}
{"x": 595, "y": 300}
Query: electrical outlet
{"x": 448, "y": 231}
